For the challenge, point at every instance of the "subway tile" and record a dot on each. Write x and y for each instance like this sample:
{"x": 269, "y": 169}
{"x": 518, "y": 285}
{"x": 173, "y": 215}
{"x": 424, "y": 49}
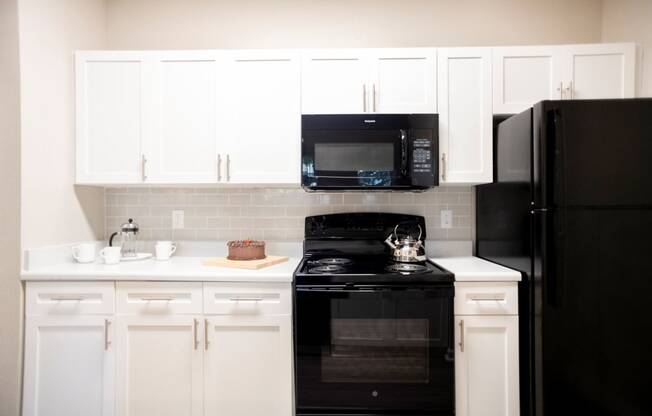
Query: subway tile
{"x": 217, "y": 222}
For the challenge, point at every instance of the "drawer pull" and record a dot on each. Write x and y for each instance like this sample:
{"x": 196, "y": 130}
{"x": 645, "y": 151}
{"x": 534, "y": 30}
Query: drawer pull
{"x": 68, "y": 298}
{"x": 462, "y": 335}
{"x": 487, "y": 298}
{"x": 250, "y": 299}
{"x": 157, "y": 298}
{"x": 206, "y": 334}
{"x": 195, "y": 323}
{"x": 107, "y": 342}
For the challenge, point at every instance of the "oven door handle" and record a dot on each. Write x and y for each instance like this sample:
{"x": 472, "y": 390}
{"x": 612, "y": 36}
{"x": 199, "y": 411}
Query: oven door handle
{"x": 404, "y": 151}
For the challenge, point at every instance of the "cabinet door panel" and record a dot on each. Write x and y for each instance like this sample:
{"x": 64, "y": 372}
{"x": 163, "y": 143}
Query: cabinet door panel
{"x": 159, "y": 368}
{"x": 334, "y": 82}
{"x": 69, "y": 369}
{"x": 264, "y": 118}
{"x": 465, "y": 118}
{"x": 524, "y": 76}
{"x": 404, "y": 81}
{"x": 600, "y": 71}
{"x": 183, "y": 145}
{"x": 486, "y": 366}
{"x": 110, "y": 99}
{"x": 249, "y": 367}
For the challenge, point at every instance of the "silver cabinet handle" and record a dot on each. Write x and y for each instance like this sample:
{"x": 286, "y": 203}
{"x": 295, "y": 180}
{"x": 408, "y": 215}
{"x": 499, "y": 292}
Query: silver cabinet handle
{"x": 157, "y": 298}
{"x": 67, "y": 298}
{"x": 251, "y": 299}
{"x": 560, "y": 88}
{"x": 570, "y": 90}
{"x": 194, "y": 332}
{"x": 374, "y": 97}
{"x": 107, "y": 342}
{"x": 143, "y": 167}
{"x": 205, "y": 334}
{"x": 219, "y": 167}
{"x": 487, "y": 298}
{"x": 228, "y": 168}
{"x": 443, "y": 166}
{"x": 462, "y": 335}
{"x": 364, "y": 98}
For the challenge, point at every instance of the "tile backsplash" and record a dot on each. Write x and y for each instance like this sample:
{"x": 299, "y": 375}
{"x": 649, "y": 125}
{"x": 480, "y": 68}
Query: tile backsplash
{"x": 274, "y": 214}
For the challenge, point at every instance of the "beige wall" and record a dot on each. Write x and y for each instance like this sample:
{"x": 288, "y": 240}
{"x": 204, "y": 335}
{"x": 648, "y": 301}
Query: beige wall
{"x": 53, "y": 210}
{"x": 631, "y": 21}
{"x": 10, "y": 287}
{"x": 160, "y": 24}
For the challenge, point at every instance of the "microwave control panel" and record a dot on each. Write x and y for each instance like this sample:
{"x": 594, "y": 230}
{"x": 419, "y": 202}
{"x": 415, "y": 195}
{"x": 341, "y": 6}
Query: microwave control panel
{"x": 422, "y": 156}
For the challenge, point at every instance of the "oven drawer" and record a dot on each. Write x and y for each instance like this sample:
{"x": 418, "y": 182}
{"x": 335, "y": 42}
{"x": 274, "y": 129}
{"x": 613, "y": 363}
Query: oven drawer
{"x": 157, "y": 298}
{"x": 247, "y": 299}
{"x": 491, "y": 298}
{"x": 64, "y": 298}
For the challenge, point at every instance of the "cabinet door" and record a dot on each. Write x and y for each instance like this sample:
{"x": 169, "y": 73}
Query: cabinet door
{"x": 465, "y": 117}
{"x": 159, "y": 366}
{"x": 599, "y": 71}
{"x": 111, "y": 95}
{"x": 486, "y": 366}
{"x": 183, "y": 145}
{"x": 69, "y": 366}
{"x": 334, "y": 82}
{"x": 404, "y": 80}
{"x": 524, "y": 76}
{"x": 248, "y": 367}
{"x": 263, "y": 126}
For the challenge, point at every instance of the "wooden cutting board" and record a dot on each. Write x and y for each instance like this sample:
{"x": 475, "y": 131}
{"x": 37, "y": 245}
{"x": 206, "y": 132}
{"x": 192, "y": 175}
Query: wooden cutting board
{"x": 245, "y": 264}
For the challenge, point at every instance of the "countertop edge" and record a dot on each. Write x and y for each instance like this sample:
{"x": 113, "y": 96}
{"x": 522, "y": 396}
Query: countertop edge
{"x": 475, "y": 269}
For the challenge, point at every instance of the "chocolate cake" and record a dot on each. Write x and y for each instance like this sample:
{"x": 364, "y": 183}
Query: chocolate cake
{"x": 246, "y": 250}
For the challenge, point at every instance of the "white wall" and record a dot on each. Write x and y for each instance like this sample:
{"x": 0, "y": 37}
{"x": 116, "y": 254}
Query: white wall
{"x": 10, "y": 287}
{"x": 160, "y": 24}
{"x": 53, "y": 210}
{"x": 631, "y": 21}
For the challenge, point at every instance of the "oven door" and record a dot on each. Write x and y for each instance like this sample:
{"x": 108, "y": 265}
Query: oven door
{"x": 374, "y": 350}
{"x": 376, "y": 158}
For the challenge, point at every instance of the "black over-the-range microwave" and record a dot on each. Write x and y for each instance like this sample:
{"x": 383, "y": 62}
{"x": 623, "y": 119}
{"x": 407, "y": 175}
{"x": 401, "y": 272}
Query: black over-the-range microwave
{"x": 369, "y": 152}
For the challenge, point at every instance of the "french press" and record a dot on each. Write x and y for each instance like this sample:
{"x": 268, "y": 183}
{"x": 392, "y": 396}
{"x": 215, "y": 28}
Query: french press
{"x": 128, "y": 237}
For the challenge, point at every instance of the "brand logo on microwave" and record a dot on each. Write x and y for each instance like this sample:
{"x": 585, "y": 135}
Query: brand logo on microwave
{"x": 370, "y": 121}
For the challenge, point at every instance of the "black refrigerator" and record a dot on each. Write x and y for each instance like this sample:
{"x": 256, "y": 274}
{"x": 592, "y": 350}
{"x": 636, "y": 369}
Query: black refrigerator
{"x": 571, "y": 209}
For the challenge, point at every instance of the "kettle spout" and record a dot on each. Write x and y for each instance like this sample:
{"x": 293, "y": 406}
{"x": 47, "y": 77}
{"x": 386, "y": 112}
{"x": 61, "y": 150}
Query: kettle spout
{"x": 389, "y": 242}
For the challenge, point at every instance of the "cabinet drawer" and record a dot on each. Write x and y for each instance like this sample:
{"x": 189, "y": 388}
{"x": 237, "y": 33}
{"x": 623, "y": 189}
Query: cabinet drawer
{"x": 156, "y": 298}
{"x": 247, "y": 299}
{"x": 486, "y": 298}
{"x": 65, "y": 298}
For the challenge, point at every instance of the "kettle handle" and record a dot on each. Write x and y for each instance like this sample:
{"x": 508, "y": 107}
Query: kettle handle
{"x": 111, "y": 239}
{"x": 400, "y": 223}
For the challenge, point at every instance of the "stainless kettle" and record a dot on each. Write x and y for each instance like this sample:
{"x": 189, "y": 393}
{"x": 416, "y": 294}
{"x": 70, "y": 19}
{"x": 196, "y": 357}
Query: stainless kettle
{"x": 406, "y": 249}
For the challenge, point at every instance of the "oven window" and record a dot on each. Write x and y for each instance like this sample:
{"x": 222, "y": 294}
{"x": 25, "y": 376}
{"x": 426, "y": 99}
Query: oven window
{"x": 354, "y": 157}
{"x": 376, "y": 351}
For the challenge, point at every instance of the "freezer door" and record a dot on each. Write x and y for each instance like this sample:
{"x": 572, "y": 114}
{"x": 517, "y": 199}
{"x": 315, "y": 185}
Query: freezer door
{"x": 590, "y": 153}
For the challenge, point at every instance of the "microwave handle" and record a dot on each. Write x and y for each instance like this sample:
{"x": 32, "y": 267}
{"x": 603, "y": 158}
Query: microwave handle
{"x": 404, "y": 151}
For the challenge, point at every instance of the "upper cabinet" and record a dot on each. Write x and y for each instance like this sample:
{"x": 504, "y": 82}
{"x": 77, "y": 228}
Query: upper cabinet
{"x": 528, "y": 74}
{"x": 262, "y": 123}
{"x": 465, "y": 117}
{"x": 354, "y": 81}
{"x": 110, "y": 98}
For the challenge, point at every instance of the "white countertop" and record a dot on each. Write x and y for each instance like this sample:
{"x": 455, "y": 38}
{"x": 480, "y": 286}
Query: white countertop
{"x": 474, "y": 269}
{"x": 178, "y": 268}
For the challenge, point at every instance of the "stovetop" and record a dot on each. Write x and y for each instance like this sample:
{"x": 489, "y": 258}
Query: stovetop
{"x": 320, "y": 270}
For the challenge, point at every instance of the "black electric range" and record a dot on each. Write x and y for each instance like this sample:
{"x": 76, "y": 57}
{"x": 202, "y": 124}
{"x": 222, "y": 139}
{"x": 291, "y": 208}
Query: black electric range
{"x": 372, "y": 336}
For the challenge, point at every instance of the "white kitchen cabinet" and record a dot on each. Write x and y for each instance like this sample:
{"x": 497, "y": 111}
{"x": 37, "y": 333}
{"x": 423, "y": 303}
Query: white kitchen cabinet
{"x": 185, "y": 96}
{"x": 525, "y": 75}
{"x": 69, "y": 366}
{"x": 465, "y": 116}
{"x": 354, "y": 81}
{"x": 248, "y": 366}
{"x": 486, "y": 366}
{"x": 261, "y": 128}
{"x": 403, "y": 80}
{"x": 159, "y": 365}
{"x": 111, "y": 95}
{"x": 599, "y": 71}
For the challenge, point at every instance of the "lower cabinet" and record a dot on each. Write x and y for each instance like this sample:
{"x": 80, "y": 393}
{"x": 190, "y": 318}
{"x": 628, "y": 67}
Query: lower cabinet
{"x": 486, "y": 350}
{"x": 248, "y": 366}
{"x": 69, "y": 366}
{"x": 159, "y": 366}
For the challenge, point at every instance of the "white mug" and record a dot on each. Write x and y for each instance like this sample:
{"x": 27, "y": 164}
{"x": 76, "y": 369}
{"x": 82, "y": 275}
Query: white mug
{"x": 164, "y": 249}
{"x": 84, "y": 253}
{"x": 111, "y": 255}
